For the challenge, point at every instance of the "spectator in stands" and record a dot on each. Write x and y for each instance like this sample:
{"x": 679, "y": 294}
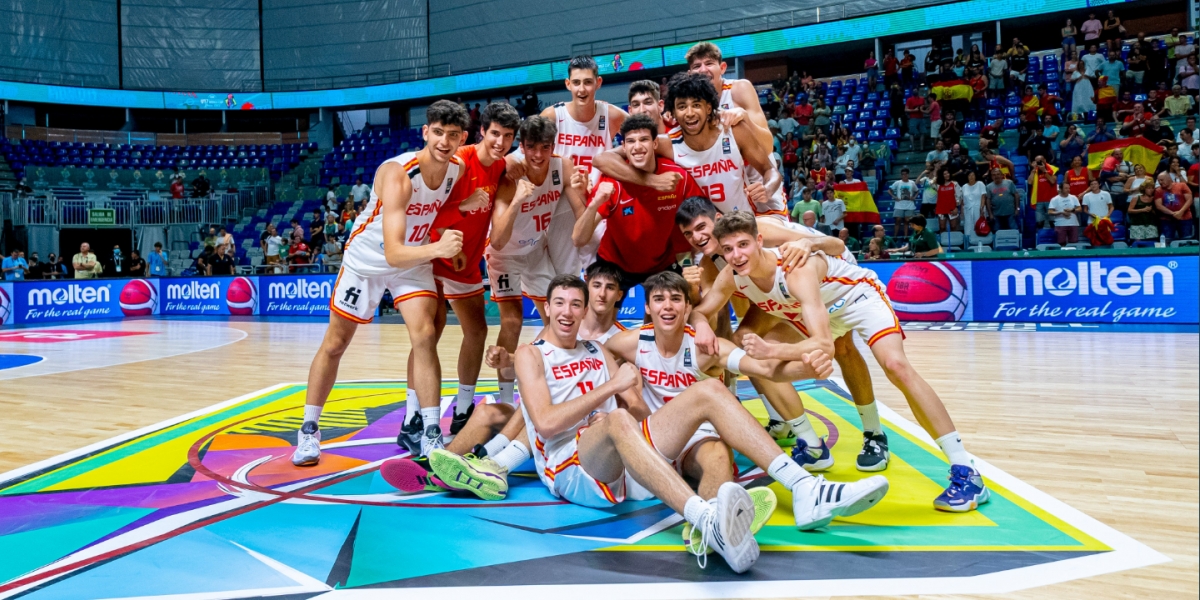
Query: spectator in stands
{"x": 1154, "y": 104}
{"x": 932, "y": 60}
{"x": 918, "y": 126}
{"x": 158, "y": 261}
{"x": 937, "y": 155}
{"x": 961, "y": 164}
{"x": 1174, "y": 167}
{"x": 806, "y": 203}
{"x": 1101, "y": 132}
{"x": 833, "y": 214}
{"x": 1111, "y": 34}
{"x": 1072, "y": 146}
{"x": 1096, "y": 203}
{"x": 225, "y": 240}
{"x": 1158, "y": 133}
{"x": 1143, "y": 224}
{"x": 1018, "y": 60}
{"x": 1069, "y": 31}
{"x": 297, "y": 234}
{"x": 809, "y": 219}
{"x": 1184, "y": 141}
{"x": 220, "y": 263}
{"x": 852, "y": 243}
{"x": 879, "y": 233}
{"x": 876, "y": 251}
{"x": 1042, "y": 185}
{"x": 273, "y": 248}
{"x": 1037, "y": 145}
{"x": 349, "y": 212}
{"x": 979, "y": 85}
{"x": 989, "y": 136}
{"x": 871, "y": 66}
{"x": 1124, "y": 106}
{"x": 787, "y": 125}
{"x": 923, "y": 242}
{"x": 1092, "y": 61}
{"x": 1001, "y": 202}
{"x": 1114, "y": 70}
{"x": 1156, "y": 59}
{"x": 976, "y": 60}
{"x": 790, "y": 150}
{"x": 891, "y": 69}
{"x": 1091, "y": 28}
{"x": 1135, "y": 74}
{"x": 998, "y": 72}
{"x": 201, "y": 186}
{"x": 1183, "y": 50}
{"x": 974, "y": 202}
{"x": 177, "y": 186}
{"x": 55, "y": 268}
{"x": 15, "y": 267}
{"x": 803, "y": 113}
{"x": 1177, "y": 104}
{"x": 1062, "y": 210}
{"x": 1173, "y": 200}
{"x": 905, "y": 194}
{"x": 1050, "y": 131}
{"x": 907, "y": 75}
{"x": 928, "y": 184}
{"x": 821, "y": 116}
{"x": 211, "y": 238}
{"x": 951, "y": 130}
{"x": 137, "y": 266}
{"x": 949, "y": 198}
{"x": 85, "y": 263}
{"x": 1189, "y": 78}
{"x": 933, "y": 111}
{"x": 1077, "y": 177}
{"x": 37, "y": 268}
{"x": 298, "y": 255}
{"x": 316, "y": 235}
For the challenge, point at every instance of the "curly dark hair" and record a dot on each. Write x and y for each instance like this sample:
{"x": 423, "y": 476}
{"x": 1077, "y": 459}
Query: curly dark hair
{"x": 692, "y": 86}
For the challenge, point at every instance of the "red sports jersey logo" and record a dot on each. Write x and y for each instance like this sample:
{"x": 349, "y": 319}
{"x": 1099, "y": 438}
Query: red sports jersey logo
{"x": 670, "y": 380}
{"x": 574, "y": 368}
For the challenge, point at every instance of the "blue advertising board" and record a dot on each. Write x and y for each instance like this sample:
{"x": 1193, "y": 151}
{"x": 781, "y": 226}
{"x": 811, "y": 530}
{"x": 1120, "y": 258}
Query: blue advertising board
{"x": 6, "y": 305}
{"x": 296, "y": 295}
{"x": 81, "y": 299}
{"x": 632, "y": 307}
{"x": 209, "y": 296}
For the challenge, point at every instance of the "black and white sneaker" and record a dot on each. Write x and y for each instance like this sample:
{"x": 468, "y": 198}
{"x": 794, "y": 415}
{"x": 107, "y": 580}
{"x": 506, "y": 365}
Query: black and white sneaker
{"x": 816, "y": 502}
{"x": 432, "y": 439}
{"x": 410, "y": 435}
{"x": 874, "y": 455}
{"x": 460, "y": 420}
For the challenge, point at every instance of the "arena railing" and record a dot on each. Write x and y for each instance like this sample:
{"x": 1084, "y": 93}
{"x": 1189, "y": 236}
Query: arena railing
{"x": 349, "y": 81}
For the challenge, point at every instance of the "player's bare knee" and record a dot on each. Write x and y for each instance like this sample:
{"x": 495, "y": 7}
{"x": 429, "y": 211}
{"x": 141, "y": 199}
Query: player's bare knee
{"x": 898, "y": 369}
{"x": 620, "y": 422}
{"x": 713, "y": 458}
{"x": 511, "y": 322}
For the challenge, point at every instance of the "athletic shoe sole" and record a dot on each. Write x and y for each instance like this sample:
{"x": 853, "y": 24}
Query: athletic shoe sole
{"x": 308, "y": 462}
{"x": 865, "y": 499}
{"x": 764, "y": 500}
{"x": 982, "y": 499}
{"x": 458, "y": 473}
{"x": 407, "y": 476}
{"x": 737, "y": 513}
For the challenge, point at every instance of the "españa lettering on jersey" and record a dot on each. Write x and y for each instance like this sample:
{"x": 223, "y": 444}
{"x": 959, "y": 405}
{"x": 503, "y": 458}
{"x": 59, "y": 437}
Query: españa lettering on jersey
{"x": 574, "y": 368}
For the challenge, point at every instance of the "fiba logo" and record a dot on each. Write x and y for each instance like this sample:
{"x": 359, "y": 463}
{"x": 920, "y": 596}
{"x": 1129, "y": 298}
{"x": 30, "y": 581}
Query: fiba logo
{"x": 138, "y": 298}
{"x": 242, "y": 296}
{"x": 5, "y": 307}
{"x": 928, "y": 292}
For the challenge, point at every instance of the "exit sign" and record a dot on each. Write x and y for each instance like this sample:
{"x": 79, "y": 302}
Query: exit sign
{"x": 102, "y": 216}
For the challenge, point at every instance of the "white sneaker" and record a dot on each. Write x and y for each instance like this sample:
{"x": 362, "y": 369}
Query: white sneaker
{"x": 308, "y": 445}
{"x": 726, "y": 529}
{"x": 432, "y": 439}
{"x": 816, "y": 502}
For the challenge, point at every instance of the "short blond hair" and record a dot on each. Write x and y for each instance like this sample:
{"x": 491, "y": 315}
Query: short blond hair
{"x": 703, "y": 50}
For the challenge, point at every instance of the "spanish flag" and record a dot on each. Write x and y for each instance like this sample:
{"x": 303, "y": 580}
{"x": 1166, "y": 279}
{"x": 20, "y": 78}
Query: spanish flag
{"x": 1137, "y": 150}
{"x": 954, "y": 89}
{"x": 860, "y": 206}
{"x": 1039, "y": 191}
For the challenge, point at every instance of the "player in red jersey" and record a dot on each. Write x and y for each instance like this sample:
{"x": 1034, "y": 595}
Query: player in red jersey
{"x": 459, "y": 279}
{"x": 641, "y": 237}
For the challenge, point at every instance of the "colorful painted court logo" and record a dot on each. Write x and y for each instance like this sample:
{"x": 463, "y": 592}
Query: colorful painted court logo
{"x": 209, "y": 506}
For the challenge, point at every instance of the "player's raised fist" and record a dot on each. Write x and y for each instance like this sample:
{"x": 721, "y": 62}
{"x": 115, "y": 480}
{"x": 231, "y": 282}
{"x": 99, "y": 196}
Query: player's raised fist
{"x": 627, "y": 376}
{"x": 604, "y": 191}
{"x": 821, "y": 363}
{"x": 579, "y": 180}
{"x": 757, "y": 347}
{"x": 665, "y": 182}
{"x": 757, "y": 193}
{"x": 497, "y": 357}
{"x": 524, "y": 189}
{"x": 477, "y": 200}
{"x": 692, "y": 275}
{"x": 450, "y": 244}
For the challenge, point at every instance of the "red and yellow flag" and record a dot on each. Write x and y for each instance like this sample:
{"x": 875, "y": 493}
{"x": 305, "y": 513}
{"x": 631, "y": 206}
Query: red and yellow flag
{"x": 1137, "y": 150}
{"x": 1041, "y": 192}
{"x": 860, "y": 206}
{"x": 954, "y": 89}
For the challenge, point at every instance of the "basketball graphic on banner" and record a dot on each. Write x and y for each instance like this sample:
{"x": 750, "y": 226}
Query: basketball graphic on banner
{"x": 5, "y": 307}
{"x": 242, "y": 296}
{"x": 138, "y": 298}
{"x": 930, "y": 291}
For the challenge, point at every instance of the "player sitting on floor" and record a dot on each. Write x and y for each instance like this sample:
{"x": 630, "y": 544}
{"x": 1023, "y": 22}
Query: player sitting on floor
{"x": 389, "y": 249}
{"x": 696, "y": 218}
{"x": 834, "y": 298}
{"x": 593, "y": 451}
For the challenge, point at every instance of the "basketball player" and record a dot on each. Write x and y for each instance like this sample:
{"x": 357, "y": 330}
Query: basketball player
{"x": 389, "y": 249}
{"x": 494, "y": 442}
{"x": 593, "y": 451}
{"x": 459, "y": 280}
{"x": 834, "y": 297}
{"x": 645, "y": 99}
{"x": 518, "y": 261}
{"x": 696, "y": 217}
{"x": 585, "y": 127}
{"x": 640, "y": 237}
{"x": 705, "y": 58}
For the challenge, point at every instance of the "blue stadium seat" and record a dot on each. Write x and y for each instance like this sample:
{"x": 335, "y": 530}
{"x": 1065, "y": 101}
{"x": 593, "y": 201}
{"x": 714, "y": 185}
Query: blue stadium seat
{"x": 1046, "y": 236}
{"x": 1012, "y": 123}
{"x": 1035, "y": 64}
{"x": 891, "y": 133}
{"x": 1012, "y": 111}
{"x": 861, "y": 126}
{"x": 857, "y": 98}
{"x": 881, "y": 114}
{"x": 1012, "y": 100}
{"x": 971, "y": 127}
{"x": 875, "y": 135}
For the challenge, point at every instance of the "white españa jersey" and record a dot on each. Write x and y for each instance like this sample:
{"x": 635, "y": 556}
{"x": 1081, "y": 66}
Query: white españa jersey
{"x": 570, "y": 373}
{"x": 847, "y": 255}
{"x": 776, "y": 205}
{"x": 583, "y": 141}
{"x": 777, "y": 302}
{"x": 719, "y": 169}
{"x": 726, "y": 101}
{"x": 664, "y": 378}
{"x": 364, "y": 250}
{"x": 529, "y": 228}
{"x": 616, "y": 328}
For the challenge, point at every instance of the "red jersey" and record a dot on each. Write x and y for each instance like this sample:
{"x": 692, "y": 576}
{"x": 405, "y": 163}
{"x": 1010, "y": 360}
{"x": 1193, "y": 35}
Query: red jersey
{"x": 473, "y": 225}
{"x": 637, "y": 218}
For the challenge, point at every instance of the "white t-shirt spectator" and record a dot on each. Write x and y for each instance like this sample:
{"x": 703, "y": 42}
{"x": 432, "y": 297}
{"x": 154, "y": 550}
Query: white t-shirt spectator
{"x": 905, "y": 194}
{"x": 787, "y": 125}
{"x": 1061, "y": 203}
{"x": 1098, "y": 204}
{"x": 832, "y": 213}
{"x": 360, "y": 192}
{"x": 274, "y": 243}
{"x": 1092, "y": 62}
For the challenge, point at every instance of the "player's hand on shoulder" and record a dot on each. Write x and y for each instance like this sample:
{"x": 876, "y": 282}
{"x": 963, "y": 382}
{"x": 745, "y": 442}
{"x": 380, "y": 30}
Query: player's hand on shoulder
{"x": 626, "y": 377}
{"x": 756, "y": 347}
{"x": 821, "y": 363}
{"x": 514, "y": 167}
{"x": 665, "y": 182}
{"x": 450, "y": 244}
{"x": 730, "y": 117}
{"x": 795, "y": 254}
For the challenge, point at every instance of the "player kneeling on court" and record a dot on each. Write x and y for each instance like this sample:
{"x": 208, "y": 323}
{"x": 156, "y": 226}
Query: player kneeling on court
{"x": 834, "y": 298}
{"x": 593, "y": 451}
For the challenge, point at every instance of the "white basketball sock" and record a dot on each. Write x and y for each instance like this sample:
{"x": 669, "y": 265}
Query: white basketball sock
{"x": 431, "y": 416}
{"x": 695, "y": 509}
{"x": 869, "y": 413}
{"x": 512, "y": 456}
{"x": 412, "y": 407}
{"x": 312, "y": 412}
{"x": 951, "y": 444}
{"x": 506, "y": 391}
{"x": 496, "y": 444}
{"x": 466, "y": 397}
{"x": 771, "y": 412}
{"x": 787, "y": 472}
{"x": 804, "y": 430}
